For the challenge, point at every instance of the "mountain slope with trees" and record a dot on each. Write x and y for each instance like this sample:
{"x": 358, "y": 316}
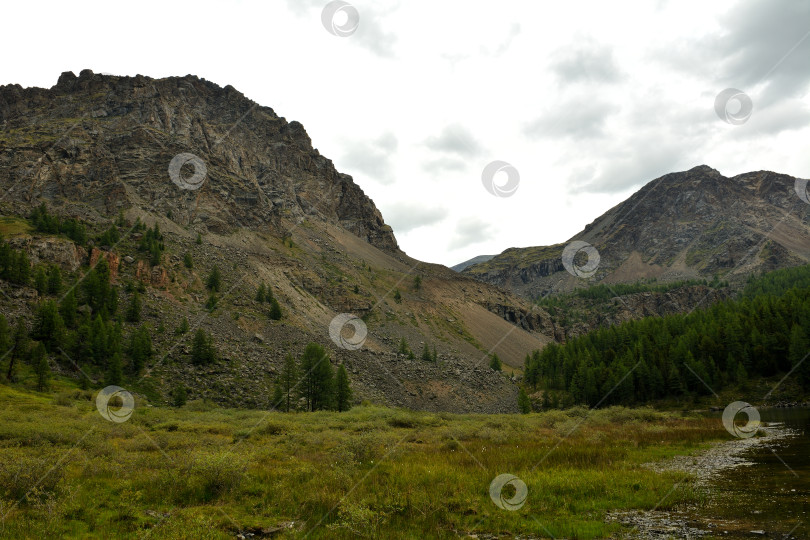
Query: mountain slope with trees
{"x": 763, "y": 333}
{"x": 227, "y": 279}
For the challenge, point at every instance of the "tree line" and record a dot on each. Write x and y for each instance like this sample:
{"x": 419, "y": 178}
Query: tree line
{"x": 765, "y": 332}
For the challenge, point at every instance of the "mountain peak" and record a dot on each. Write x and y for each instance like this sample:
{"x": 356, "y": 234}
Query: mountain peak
{"x": 683, "y": 225}
{"x": 704, "y": 169}
{"x": 109, "y": 141}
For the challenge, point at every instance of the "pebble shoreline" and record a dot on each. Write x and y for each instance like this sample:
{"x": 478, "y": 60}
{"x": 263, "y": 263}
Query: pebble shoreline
{"x": 702, "y": 469}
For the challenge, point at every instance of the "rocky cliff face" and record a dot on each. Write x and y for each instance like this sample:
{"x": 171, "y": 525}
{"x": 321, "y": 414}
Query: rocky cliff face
{"x": 99, "y": 143}
{"x": 692, "y": 224}
{"x": 580, "y": 316}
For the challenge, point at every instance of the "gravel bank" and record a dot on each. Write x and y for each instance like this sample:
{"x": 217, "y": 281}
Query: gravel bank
{"x": 700, "y": 469}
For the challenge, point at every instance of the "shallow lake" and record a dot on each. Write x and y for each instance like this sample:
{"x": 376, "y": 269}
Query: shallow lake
{"x": 770, "y": 495}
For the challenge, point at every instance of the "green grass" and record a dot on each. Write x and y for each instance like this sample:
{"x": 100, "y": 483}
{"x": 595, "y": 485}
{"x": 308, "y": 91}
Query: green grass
{"x": 205, "y": 472}
{"x": 13, "y": 226}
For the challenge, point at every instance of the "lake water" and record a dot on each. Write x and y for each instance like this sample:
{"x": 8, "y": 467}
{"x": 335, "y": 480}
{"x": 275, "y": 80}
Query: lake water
{"x": 772, "y": 494}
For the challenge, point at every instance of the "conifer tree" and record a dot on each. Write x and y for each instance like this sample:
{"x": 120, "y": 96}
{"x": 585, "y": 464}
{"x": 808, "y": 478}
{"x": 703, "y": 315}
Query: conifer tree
{"x": 317, "y": 377}
{"x": 202, "y": 348}
{"x": 260, "y": 293}
{"x": 20, "y": 348}
{"x": 275, "y": 310}
{"x": 134, "y": 309}
{"x": 524, "y": 403}
{"x": 67, "y": 309}
{"x": 288, "y": 379}
{"x": 41, "y": 281}
{"x": 41, "y": 368}
{"x": 114, "y": 370}
{"x": 278, "y": 401}
{"x": 343, "y": 391}
{"x": 214, "y": 282}
{"x": 54, "y": 280}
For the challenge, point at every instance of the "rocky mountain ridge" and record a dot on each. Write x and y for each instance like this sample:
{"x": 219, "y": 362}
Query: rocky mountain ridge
{"x": 695, "y": 224}
{"x": 261, "y": 169}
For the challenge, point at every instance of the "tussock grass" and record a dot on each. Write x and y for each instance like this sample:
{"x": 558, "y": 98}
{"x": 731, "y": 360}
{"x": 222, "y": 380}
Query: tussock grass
{"x": 206, "y": 472}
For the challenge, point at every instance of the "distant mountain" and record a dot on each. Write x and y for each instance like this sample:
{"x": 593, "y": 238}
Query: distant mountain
{"x": 475, "y": 260}
{"x": 696, "y": 224}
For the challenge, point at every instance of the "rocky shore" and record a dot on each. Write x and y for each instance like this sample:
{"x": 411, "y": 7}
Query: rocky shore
{"x": 701, "y": 470}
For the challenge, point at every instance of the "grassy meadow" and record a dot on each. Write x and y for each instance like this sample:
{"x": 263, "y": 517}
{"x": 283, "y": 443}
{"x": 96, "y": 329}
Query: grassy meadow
{"x": 206, "y": 472}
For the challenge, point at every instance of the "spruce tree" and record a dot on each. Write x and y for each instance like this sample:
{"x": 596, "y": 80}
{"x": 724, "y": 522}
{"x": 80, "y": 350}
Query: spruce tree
{"x": 278, "y": 401}
{"x": 48, "y": 326}
{"x": 179, "y": 395}
{"x": 18, "y": 353}
{"x": 214, "y": 282}
{"x": 5, "y": 337}
{"x": 202, "y": 348}
{"x": 134, "y": 309}
{"x": 183, "y": 328}
{"x": 317, "y": 377}
{"x": 67, "y": 309}
{"x": 343, "y": 391}
{"x": 139, "y": 349}
{"x": 524, "y": 403}
{"x": 41, "y": 368}
{"x": 260, "y": 293}
{"x": 54, "y": 280}
{"x": 798, "y": 347}
{"x": 21, "y": 273}
{"x": 275, "y": 310}
{"x": 288, "y": 380}
{"x": 114, "y": 371}
{"x": 41, "y": 281}
{"x": 495, "y": 363}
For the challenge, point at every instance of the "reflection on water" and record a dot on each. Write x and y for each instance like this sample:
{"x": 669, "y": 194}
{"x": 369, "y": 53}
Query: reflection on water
{"x": 772, "y": 494}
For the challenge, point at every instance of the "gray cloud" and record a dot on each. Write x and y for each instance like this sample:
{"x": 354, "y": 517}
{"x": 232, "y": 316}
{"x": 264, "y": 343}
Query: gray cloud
{"x": 372, "y": 158}
{"x": 767, "y": 41}
{"x": 444, "y": 164}
{"x": 649, "y": 157}
{"x": 408, "y": 216}
{"x": 581, "y": 118}
{"x": 784, "y": 115}
{"x": 586, "y": 62}
{"x": 454, "y": 139}
{"x": 387, "y": 141}
{"x": 760, "y": 43}
{"x": 470, "y": 231}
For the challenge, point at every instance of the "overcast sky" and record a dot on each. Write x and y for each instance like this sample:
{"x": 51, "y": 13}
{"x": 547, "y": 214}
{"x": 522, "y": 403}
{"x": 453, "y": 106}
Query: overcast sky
{"x": 587, "y": 101}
